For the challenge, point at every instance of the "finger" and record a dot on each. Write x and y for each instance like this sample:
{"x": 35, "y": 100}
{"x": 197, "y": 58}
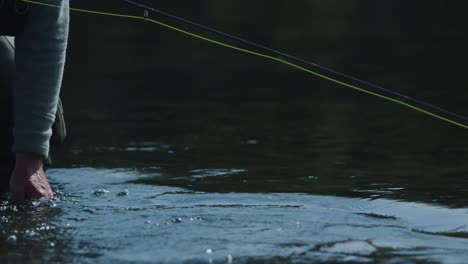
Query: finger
{"x": 37, "y": 190}
{"x": 39, "y": 187}
{"x": 49, "y": 191}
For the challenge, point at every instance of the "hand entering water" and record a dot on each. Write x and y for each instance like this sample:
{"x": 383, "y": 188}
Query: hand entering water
{"x": 28, "y": 180}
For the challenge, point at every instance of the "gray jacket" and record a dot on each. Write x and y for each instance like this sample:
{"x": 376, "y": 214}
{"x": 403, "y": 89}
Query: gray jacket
{"x": 39, "y": 64}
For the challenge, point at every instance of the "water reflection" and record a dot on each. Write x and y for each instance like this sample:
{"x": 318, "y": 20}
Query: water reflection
{"x": 210, "y": 163}
{"x": 30, "y": 233}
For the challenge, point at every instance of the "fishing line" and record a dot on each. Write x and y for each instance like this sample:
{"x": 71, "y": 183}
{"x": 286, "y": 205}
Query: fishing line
{"x": 282, "y": 54}
{"x": 146, "y": 17}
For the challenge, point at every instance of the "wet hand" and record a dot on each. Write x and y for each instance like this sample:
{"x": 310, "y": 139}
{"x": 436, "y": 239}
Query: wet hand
{"x": 28, "y": 180}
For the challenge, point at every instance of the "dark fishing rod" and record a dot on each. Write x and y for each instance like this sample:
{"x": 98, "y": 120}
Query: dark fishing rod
{"x": 279, "y": 57}
{"x": 293, "y": 58}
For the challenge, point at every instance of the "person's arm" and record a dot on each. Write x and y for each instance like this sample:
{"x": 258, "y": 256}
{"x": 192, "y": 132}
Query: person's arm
{"x": 39, "y": 64}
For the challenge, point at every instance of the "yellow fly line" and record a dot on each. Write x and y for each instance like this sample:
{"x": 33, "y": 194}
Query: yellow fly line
{"x": 219, "y": 43}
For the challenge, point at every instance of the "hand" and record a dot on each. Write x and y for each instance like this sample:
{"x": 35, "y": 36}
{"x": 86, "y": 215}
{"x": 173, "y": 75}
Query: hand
{"x": 28, "y": 180}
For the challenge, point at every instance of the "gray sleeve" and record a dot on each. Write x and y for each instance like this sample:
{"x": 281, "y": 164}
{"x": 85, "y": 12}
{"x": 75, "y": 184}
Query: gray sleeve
{"x": 39, "y": 64}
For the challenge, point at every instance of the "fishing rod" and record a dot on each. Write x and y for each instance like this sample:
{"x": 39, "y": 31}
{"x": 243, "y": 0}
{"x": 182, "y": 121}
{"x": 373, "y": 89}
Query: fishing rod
{"x": 279, "y": 53}
{"x": 397, "y": 97}
{"x": 293, "y": 58}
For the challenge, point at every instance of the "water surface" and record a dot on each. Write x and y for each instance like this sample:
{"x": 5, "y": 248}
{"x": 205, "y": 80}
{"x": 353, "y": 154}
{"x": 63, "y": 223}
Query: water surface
{"x": 119, "y": 221}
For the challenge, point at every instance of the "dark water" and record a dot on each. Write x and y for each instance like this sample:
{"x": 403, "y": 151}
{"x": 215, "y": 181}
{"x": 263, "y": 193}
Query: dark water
{"x": 179, "y": 151}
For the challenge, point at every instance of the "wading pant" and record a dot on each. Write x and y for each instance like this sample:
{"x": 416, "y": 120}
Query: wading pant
{"x": 7, "y": 52}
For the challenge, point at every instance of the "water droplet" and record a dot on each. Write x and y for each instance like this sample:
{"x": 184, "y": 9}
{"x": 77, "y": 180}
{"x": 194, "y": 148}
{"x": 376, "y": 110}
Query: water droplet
{"x": 251, "y": 142}
{"x": 148, "y": 222}
{"x": 12, "y": 239}
{"x": 209, "y": 251}
{"x": 351, "y": 247}
{"x": 100, "y": 192}
{"x": 52, "y": 244}
{"x": 124, "y": 193}
{"x": 176, "y": 220}
{"x": 89, "y": 210}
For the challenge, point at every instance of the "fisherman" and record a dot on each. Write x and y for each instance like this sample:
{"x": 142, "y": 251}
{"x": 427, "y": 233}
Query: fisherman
{"x": 30, "y": 80}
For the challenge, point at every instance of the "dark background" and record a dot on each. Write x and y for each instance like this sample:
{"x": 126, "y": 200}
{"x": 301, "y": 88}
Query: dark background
{"x": 131, "y": 84}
